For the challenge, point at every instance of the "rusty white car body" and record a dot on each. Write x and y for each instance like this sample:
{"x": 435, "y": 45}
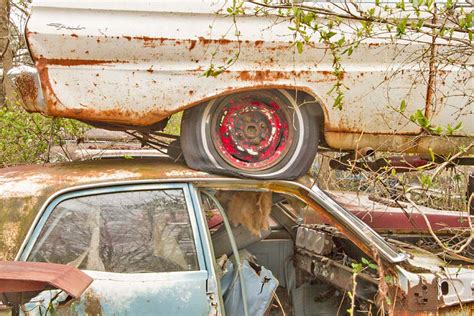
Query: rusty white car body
{"x": 132, "y": 64}
{"x": 136, "y": 63}
{"x": 104, "y": 217}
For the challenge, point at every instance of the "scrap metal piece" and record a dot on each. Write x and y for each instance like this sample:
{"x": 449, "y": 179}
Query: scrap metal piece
{"x": 314, "y": 239}
{"x": 336, "y": 274}
{"x": 27, "y": 82}
{"x": 21, "y": 277}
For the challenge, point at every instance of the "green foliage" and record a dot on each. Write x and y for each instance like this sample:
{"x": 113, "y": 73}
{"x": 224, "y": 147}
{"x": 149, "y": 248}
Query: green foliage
{"x": 358, "y": 267}
{"x": 25, "y": 137}
{"x": 422, "y": 120}
{"x": 174, "y": 124}
{"x": 315, "y": 24}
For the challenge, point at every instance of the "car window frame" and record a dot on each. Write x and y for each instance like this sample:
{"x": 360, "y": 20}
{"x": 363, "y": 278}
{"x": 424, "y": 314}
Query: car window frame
{"x": 39, "y": 224}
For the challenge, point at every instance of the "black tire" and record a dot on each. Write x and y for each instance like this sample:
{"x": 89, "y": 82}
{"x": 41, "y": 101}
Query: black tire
{"x": 201, "y": 150}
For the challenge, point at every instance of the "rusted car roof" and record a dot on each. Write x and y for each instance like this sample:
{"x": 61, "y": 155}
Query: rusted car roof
{"x": 17, "y": 277}
{"x": 24, "y": 189}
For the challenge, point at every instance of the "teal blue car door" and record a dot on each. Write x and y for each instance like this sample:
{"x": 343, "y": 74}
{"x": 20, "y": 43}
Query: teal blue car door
{"x": 142, "y": 245}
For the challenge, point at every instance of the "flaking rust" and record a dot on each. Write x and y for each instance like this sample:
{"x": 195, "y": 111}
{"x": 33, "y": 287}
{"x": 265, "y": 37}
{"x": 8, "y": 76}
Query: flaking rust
{"x": 26, "y": 85}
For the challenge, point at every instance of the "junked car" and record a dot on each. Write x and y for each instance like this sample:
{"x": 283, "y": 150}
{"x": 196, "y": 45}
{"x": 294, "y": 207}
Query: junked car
{"x": 158, "y": 238}
{"x": 129, "y": 65}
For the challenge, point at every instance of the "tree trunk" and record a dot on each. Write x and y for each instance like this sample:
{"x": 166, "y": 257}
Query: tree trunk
{"x": 6, "y": 56}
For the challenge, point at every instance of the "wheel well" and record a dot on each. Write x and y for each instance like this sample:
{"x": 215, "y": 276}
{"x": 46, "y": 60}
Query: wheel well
{"x": 315, "y": 108}
{"x": 300, "y": 94}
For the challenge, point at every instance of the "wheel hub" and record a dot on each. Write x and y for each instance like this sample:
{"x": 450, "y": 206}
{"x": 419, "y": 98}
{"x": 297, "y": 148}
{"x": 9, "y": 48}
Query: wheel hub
{"x": 251, "y": 135}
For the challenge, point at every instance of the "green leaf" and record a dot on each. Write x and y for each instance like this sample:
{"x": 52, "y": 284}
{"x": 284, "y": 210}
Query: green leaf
{"x": 357, "y": 267}
{"x": 420, "y": 118}
{"x": 373, "y": 266}
{"x": 402, "y": 25}
{"x": 299, "y": 47}
{"x": 403, "y": 106}
{"x": 308, "y": 18}
{"x": 432, "y": 155}
{"x": 401, "y": 5}
{"x": 426, "y": 181}
{"x": 330, "y": 34}
{"x": 341, "y": 42}
{"x": 458, "y": 126}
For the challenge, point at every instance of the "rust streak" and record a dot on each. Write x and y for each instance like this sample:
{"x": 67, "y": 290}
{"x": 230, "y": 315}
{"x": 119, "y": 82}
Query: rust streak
{"x": 207, "y": 41}
{"x": 265, "y": 75}
{"x": 76, "y": 62}
{"x": 192, "y": 44}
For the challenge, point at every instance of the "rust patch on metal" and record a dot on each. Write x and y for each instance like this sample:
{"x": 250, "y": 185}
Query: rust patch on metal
{"x": 192, "y": 44}
{"x": 421, "y": 297}
{"x": 26, "y": 85}
{"x": 206, "y": 41}
{"x": 92, "y": 303}
{"x": 265, "y": 75}
{"x": 375, "y": 44}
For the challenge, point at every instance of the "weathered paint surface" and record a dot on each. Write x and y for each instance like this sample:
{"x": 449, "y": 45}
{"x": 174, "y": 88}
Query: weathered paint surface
{"x": 141, "y": 71}
{"x": 172, "y": 293}
{"x": 23, "y": 190}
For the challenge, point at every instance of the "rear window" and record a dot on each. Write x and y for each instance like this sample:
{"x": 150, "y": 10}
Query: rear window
{"x": 127, "y": 232}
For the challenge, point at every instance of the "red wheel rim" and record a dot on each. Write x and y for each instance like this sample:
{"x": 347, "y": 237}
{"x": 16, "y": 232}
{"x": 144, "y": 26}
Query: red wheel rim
{"x": 251, "y": 134}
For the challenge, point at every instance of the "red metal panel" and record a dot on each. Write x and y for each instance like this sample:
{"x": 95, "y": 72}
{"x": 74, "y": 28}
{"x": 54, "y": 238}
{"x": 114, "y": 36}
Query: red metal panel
{"x": 18, "y": 276}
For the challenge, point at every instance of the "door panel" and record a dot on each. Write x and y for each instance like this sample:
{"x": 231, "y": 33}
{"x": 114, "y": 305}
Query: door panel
{"x": 139, "y": 243}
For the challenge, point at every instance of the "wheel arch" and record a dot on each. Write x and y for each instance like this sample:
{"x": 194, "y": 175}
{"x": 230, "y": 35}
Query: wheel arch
{"x": 319, "y": 109}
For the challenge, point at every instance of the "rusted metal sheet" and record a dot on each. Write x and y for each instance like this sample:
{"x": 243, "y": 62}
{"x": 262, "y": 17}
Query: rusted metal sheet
{"x": 18, "y": 277}
{"x": 105, "y": 70}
